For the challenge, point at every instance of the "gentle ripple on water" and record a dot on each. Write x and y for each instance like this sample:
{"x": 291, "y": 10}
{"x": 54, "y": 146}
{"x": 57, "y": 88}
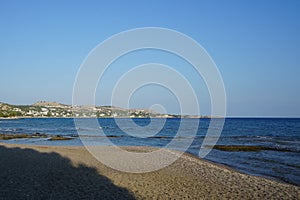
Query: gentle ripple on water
{"x": 274, "y": 133}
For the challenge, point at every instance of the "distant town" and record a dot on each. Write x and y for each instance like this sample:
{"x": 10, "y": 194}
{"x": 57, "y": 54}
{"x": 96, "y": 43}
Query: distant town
{"x": 58, "y": 110}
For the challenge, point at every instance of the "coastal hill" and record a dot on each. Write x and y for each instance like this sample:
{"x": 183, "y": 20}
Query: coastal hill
{"x": 48, "y": 104}
{"x": 54, "y": 109}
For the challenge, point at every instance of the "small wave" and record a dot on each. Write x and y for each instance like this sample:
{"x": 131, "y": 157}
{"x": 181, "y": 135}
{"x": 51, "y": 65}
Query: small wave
{"x": 175, "y": 137}
{"x": 11, "y": 130}
{"x": 250, "y": 148}
{"x": 101, "y": 136}
{"x": 70, "y": 135}
{"x": 265, "y": 160}
{"x": 85, "y": 129}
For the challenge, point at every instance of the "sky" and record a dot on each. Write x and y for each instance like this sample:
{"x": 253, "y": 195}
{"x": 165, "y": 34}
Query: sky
{"x": 254, "y": 44}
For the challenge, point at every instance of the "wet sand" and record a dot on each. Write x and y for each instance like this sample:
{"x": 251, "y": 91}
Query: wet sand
{"x": 51, "y": 172}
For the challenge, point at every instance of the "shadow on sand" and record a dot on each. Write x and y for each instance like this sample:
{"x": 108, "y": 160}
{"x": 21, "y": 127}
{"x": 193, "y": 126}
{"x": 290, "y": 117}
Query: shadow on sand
{"x": 29, "y": 174}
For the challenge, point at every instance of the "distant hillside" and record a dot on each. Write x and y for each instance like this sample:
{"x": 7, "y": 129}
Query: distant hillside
{"x": 48, "y": 104}
{"x": 54, "y": 109}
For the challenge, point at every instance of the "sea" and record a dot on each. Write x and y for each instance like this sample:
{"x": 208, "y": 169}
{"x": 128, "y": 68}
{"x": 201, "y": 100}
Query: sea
{"x": 280, "y": 161}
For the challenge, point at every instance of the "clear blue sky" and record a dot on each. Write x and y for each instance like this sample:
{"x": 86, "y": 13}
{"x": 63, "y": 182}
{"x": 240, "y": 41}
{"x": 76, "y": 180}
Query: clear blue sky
{"x": 255, "y": 44}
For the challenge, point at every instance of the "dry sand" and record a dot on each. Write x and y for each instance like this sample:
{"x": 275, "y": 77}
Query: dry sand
{"x": 49, "y": 172}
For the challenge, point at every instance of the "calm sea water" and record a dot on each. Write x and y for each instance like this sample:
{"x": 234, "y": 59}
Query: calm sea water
{"x": 282, "y": 134}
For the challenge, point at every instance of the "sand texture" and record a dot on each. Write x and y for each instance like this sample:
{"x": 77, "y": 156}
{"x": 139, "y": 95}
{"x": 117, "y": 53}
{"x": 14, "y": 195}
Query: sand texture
{"x": 49, "y": 172}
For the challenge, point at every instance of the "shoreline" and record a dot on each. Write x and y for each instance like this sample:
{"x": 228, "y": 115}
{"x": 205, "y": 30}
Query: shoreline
{"x": 230, "y": 148}
{"x": 6, "y": 137}
{"x": 188, "y": 177}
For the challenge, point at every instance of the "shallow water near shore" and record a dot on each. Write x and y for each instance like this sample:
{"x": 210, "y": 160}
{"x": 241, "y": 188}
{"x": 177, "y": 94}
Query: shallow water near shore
{"x": 280, "y": 137}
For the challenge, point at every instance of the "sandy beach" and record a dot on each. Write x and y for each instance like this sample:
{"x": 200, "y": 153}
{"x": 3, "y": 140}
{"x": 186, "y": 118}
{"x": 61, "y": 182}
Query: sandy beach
{"x": 51, "y": 172}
